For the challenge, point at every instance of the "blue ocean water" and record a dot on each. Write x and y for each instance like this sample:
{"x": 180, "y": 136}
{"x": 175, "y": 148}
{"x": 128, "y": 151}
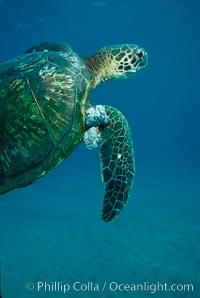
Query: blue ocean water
{"x": 52, "y": 230}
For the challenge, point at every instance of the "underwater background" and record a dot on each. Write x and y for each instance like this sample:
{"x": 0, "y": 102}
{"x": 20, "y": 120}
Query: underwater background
{"x": 52, "y": 231}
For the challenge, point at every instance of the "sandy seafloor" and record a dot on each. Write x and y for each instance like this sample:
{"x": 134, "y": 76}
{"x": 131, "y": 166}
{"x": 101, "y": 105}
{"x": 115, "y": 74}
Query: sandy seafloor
{"x": 52, "y": 231}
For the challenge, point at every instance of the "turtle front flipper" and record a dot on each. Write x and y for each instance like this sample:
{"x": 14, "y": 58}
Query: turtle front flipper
{"x": 117, "y": 163}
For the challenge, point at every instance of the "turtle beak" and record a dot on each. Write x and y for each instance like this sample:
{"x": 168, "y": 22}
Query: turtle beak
{"x": 139, "y": 60}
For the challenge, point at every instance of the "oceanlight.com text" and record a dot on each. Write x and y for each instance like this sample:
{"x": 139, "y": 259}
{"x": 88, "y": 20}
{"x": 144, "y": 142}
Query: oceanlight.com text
{"x": 113, "y": 286}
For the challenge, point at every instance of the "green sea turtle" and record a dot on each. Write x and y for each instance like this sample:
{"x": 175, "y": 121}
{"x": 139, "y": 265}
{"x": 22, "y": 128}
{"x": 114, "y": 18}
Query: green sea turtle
{"x": 45, "y": 113}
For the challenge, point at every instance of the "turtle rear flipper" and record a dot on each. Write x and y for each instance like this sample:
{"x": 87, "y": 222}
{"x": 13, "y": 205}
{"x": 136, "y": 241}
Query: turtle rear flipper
{"x": 117, "y": 163}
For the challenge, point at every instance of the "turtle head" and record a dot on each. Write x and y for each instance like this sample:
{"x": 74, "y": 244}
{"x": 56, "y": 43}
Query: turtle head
{"x": 116, "y": 62}
{"x": 123, "y": 61}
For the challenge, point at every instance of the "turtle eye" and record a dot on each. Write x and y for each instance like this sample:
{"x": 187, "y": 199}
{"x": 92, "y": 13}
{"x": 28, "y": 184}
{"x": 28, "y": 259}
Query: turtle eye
{"x": 139, "y": 53}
